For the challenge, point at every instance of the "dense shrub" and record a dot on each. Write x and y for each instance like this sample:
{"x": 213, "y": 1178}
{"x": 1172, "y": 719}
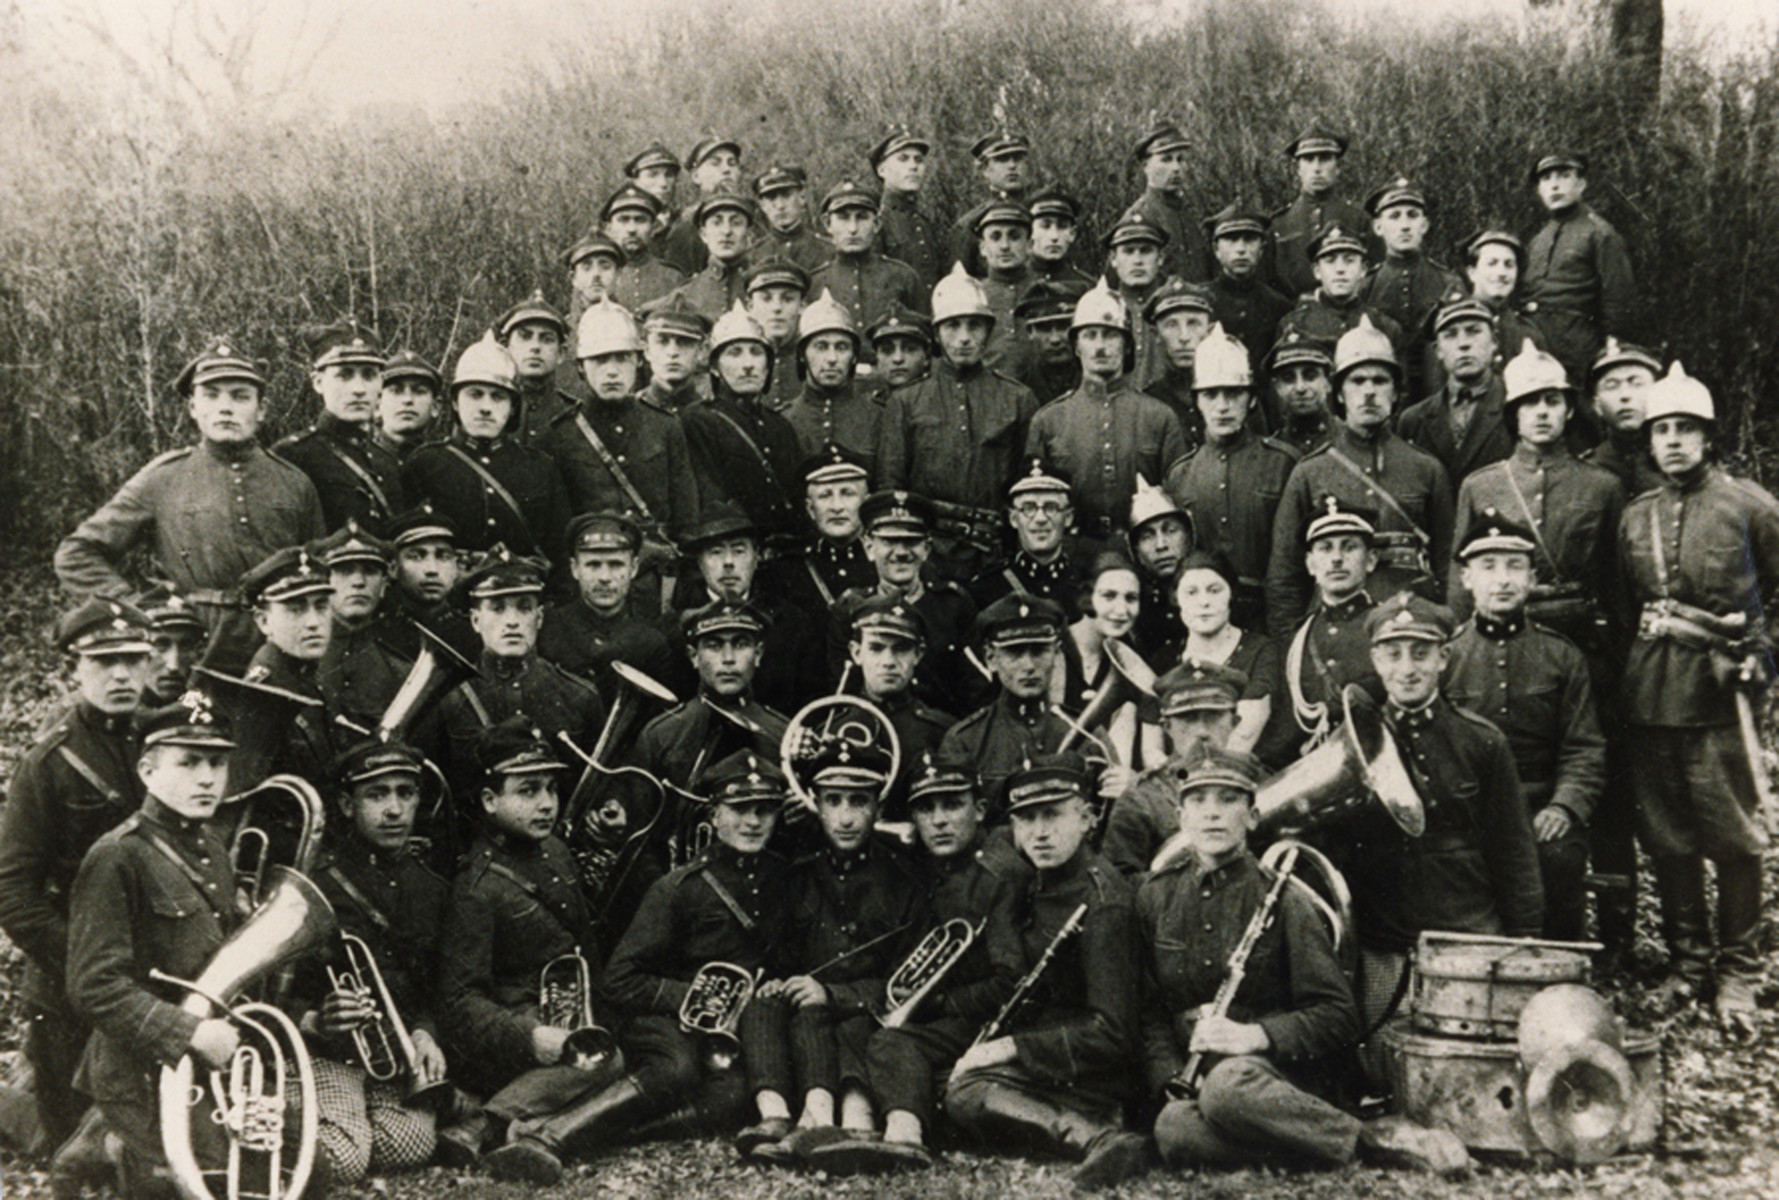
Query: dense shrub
{"x": 126, "y": 240}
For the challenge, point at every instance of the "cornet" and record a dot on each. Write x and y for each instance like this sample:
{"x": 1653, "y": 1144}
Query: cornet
{"x": 712, "y": 1009}
{"x": 384, "y": 1045}
{"x": 924, "y": 968}
{"x": 565, "y": 1001}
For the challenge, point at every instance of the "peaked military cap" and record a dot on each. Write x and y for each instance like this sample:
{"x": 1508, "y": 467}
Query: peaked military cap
{"x": 1409, "y": 616}
{"x": 1317, "y": 139}
{"x": 656, "y": 155}
{"x": 900, "y": 321}
{"x": 1177, "y": 295}
{"x": 1495, "y": 236}
{"x": 1621, "y": 354}
{"x": 515, "y": 747}
{"x": 892, "y": 615}
{"x": 1462, "y": 308}
{"x": 373, "y": 759}
{"x": 1334, "y": 238}
{"x": 192, "y": 720}
{"x": 721, "y": 616}
{"x": 1558, "y": 159}
{"x": 1213, "y": 766}
{"x": 500, "y": 572}
{"x": 896, "y": 512}
{"x": 1135, "y": 227}
{"x": 784, "y": 177}
{"x": 591, "y": 244}
{"x": 745, "y": 778}
{"x": 167, "y": 610}
{"x": 776, "y": 272}
{"x": 1039, "y": 476}
{"x": 722, "y": 200}
{"x": 349, "y": 544}
{"x": 999, "y": 144}
{"x": 937, "y": 775}
{"x": 604, "y": 531}
{"x": 1233, "y": 218}
{"x": 1491, "y": 533}
{"x": 833, "y": 464}
{"x": 1051, "y": 201}
{"x": 533, "y": 310}
{"x": 1400, "y": 190}
{"x": 1333, "y": 519}
{"x": 630, "y": 198}
{"x": 1048, "y": 778}
{"x": 406, "y": 364}
{"x": 103, "y": 626}
{"x": 709, "y": 146}
{"x": 422, "y": 523}
{"x": 1020, "y": 619}
{"x": 849, "y": 193}
{"x": 842, "y": 763}
{"x": 1046, "y": 301}
{"x": 286, "y": 575}
{"x": 1160, "y": 138}
{"x": 217, "y": 362}
{"x": 344, "y": 343}
{"x": 1298, "y": 347}
{"x": 897, "y": 137}
{"x": 673, "y": 313}
{"x": 1200, "y": 687}
{"x": 723, "y": 519}
{"x": 1003, "y": 212}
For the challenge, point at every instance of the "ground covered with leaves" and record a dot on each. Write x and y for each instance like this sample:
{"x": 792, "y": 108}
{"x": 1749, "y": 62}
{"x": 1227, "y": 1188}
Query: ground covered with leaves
{"x": 1720, "y": 1134}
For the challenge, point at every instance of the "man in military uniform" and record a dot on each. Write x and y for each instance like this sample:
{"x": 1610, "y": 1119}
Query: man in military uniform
{"x": 1535, "y": 686}
{"x": 535, "y": 335}
{"x": 722, "y": 908}
{"x": 425, "y": 570}
{"x": 1160, "y": 537}
{"x": 1698, "y": 554}
{"x": 206, "y": 513}
{"x": 902, "y": 342}
{"x": 1135, "y": 257}
{"x": 1475, "y": 868}
{"x": 1365, "y": 466}
{"x": 1164, "y": 153}
{"x": 1041, "y": 512}
{"x": 74, "y": 784}
{"x": 1578, "y": 283}
{"x": 504, "y": 594}
{"x": 1333, "y": 308}
{"x": 593, "y": 263}
{"x": 1316, "y": 155}
{"x": 359, "y": 674}
{"x": 782, "y": 194}
{"x": 725, "y": 223}
{"x": 1231, "y": 485}
{"x": 1275, "y": 1051}
{"x": 1003, "y": 162}
{"x": 285, "y": 725}
{"x": 1004, "y": 248}
{"x": 1462, "y": 424}
{"x": 356, "y": 478}
{"x": 629, "y": 218}
{"x": 898, "y": 530}
{"x": 407, "y": 403}
{"x": 382, "y": 895}
{"x": 655, "y": 172}
{"x": 515, "y": 907}
{"x": 616, "y": 452}
{"x": 777, "y": 290}
{"x": 888, "y": 638}
{"x": 496, "y": 488}
{"x": 967, "y": 878}
{"x": 1181, "y": 315}
{"x": 1041, "y": 357}
{"x": 1198, "y": 712}
{"x": 956, "y": 437}
{"x": 715, "y": 167}
{"x": 674, "y": 343}
{"x": 742, "y": 451}
{"x": 1241, "y": 299}
{"x": 1618, "y": 380}
{"x": 832, "y": 561}
{"x": 1299, "y": 389}
{"x": 601, "y": 624}
{"x": 1056, "y": 1077}
{"x": 1056, "y": 220}
{"x": 1105, "y": 433}
{"x": 857, "y": 275}
{"x": 853, "y": 909}
{"x": 175, "y": 637}
{"x": 164, "y": 860}
{"x": 1406, "y": 285}
{"x": 904, "y": 233}
{"x": 1494, "y": 260}
{"x": 1020, "y": 641}
{"x": 834, "y": 408}
{"x": 1329, "y": 648}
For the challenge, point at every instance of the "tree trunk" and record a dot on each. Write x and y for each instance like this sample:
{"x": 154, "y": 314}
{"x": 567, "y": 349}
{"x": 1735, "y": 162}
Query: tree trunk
{"x": 1635, "y": 29}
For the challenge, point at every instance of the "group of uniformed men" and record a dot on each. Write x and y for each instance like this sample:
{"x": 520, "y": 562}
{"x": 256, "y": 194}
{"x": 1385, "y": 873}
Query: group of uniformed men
{"x": 770, "y": 455}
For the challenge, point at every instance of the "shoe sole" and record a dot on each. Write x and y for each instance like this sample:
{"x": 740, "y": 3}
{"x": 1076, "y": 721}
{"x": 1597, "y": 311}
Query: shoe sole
{"x": 1126, "y": 1161}
{"x": 864, "y": 1158}
{"x": 522, "y": 1164}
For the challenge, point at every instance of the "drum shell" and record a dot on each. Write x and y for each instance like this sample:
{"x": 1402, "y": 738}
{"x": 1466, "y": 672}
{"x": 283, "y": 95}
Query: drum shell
{"x": 1478, "y": 986}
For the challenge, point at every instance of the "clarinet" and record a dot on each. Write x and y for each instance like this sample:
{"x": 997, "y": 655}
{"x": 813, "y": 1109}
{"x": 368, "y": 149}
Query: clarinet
{"x": 1184, "y": 1086}
{"x": 1069, "y": 929}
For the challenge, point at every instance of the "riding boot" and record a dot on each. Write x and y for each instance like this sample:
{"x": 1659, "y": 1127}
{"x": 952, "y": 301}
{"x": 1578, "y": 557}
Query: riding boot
{"x": 588, "y": 1122}
{"x": 1680, "y": 881}
{"x": 1738, "y": 917}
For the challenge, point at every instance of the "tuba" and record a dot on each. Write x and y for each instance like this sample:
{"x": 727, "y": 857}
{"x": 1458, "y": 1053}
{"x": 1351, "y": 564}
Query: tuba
{"x": 712, "y": 1009}
{"x": 437, "y": 668}
{"x": 278, "y": 823}
{"x": 636, "y": 693}
{"x": 565, "y": 1001}
{"x": 385, "y": 1048}
{"x": 924, "y": 968}
{"x": 271, "y": 1068}
{"x": 1357, "y": 766}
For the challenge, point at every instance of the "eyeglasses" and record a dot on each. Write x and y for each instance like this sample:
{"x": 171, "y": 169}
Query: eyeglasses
{"x": 1042, "y": 508}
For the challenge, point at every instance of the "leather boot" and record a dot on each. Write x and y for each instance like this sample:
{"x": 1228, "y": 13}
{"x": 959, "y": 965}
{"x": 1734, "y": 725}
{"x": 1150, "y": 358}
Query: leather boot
{"x": 1680, "y": 881}
{"x": 85, "y": 1158}
{"x": 589, "y": 1122}
{"x": 1058, "y": 1128}
{"x": 460, "y": 1145}
{"x": 1738, "y": 943}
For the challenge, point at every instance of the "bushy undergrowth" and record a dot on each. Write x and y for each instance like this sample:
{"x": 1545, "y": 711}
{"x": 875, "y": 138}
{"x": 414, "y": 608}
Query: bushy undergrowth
{"x": 126, "y": 238}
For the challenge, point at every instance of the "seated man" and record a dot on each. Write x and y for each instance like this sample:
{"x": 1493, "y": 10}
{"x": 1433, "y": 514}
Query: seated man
{"x": 1248, "y": 1084}
{"x": 1056, "y": 1076}
{"x": 515, "y": 908}
{"x": 854, "y": 909}
{"x": 721, "y": 908}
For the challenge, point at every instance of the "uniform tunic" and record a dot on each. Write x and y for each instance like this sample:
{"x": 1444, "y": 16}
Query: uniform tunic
{"x": 1414, "y": 481}
{"x": 586, "y": 643}
{"x": 847, "y": 416}
{"x": 998, "y": 739}
{"x": 1250, "y": 312}
{"x": 359, "y": 674}
{"x": 1003, "y": 292}
{"x": 356, "y": 478}
{"x": 957, "y": 436}
{"x": 1232, "y": 490}
{"x": 1323, "y": 319}
{"x": 944, "y": 677}
{"x": 715, "y": 288}
{"x": 1627, "y": 456}
{"x": 748, "y": 453}
{"x": 802, "y": 245}
{"x": 1186, "y": 254}
{"x": 484, "y": 518}
{"x": 919, "y": 727}
{"x": 814, "y": 576}
{"x": 868, "y": 285}
{"x": 904, "y": 233}
{"x": 1295, "y": 226}
{"x": 1329, "y": 650}
{"x": 1578, "y": 285}
{"x": 644, "y": 279}
{"x": 542, "y": 404}
{"x": 649, "y": 446}
{"x": 1305, "y": 434}
{"x": 1430, "y": 424}
{"x": 1104, "y": 436}
{"x": 1061, "y": 579}
{"x": 279, "y": 737}
{"x": 1407, "y": 290}
{"x": 531, "y": 687}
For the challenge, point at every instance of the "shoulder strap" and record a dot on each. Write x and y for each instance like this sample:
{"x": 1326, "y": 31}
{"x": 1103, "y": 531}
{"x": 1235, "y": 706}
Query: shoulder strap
{"x": 494, "y": 485}
{"x": 468, "y": 692}
{"x": 821, "y": 585}
{"x": 1532, "y": 522}
{"x": 729, "y": 901}
{"x": 85, "y": 770}
{"x": 1395, "y": 506}
{"x": 530, "y": 889}
{"x": 186, "y": 869}
{"x": 357, "y": 468}
{"x": 751, "y": 444}
{"x": 612, "y": 466}
{"x": 363, "y": 901}
{"x": 1655, "y": 546}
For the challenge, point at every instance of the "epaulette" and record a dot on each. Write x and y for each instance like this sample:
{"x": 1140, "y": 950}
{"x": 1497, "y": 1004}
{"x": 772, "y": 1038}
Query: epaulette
{"x": 1476, "y": 718}
{"x": 653, "y": 404}
{"x": 561, "y": 417}
{"x": 169, "y": 457}
{"x": 932, "y": 716}
{"x": 948, "y": 585}
{"x": 1000, "y": 374}
{"x": 1281, "y": 211}
{"x": 1554, "y": 634}
{"x": 1322, "y": 449}
{"x": 975, "y": 718}
{"x": 569, "y": 677}
{"x": 286, "y": 463}
{"x": 122, "y": 829}
{"x": 1267, "y": 439}
{"x": 290, "y": 440}
{"x": 1750, "y": 489}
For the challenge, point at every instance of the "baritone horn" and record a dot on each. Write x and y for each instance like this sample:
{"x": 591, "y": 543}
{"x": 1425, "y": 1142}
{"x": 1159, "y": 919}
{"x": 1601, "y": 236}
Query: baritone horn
{"x": 565, "y": 1001}
{"x": 384, "y": 1045}
{"x": 1130, "y": 680}
{"x": 1359, "y": 765}
{"x": 270, "y": 1069}
{"x": 277, "y": 824}
{"x": 437, "y": 668}
{"x": 712, "y": 1010}
{"x": 925, "y": 968}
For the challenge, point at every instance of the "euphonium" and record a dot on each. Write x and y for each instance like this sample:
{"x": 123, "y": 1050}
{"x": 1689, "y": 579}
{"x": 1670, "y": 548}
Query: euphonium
{"x": 565, "y": 1001}
{"x": 924, "y": 968}
{"x": 712, "y": 1009}
{"x": 384, "y": 1045}
{"x": 270, "y": 1068}
{"x": 265, "y": 837}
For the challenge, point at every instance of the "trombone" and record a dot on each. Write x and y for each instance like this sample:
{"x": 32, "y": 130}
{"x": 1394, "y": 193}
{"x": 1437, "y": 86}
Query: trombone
{"x": 384, "y": 1045}
{"x": 565, "y": 1001}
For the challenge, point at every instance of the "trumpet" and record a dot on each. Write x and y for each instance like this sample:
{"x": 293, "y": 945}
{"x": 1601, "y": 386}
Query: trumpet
{"x": 384, "y": 1045}
{"x": 565, "y": 1001}
{"x": 924, "y": 968}
{"x": 712, "y": 1009}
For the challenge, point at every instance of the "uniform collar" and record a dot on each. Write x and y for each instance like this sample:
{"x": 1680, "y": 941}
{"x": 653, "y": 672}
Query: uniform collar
{"x": 340, "y": 430}
{"x": 1234, "y": 442}
{"x": 1412, "y": 718}
{"x": 838, "y": 550}
{"x": 963, "y": 374}
{"x": 478, "y": 445}
{"x": 1223, "y": 874}
{"x": 354, "y": 849}
{"x": 1027, "y": 711}
{"x": 1689, "y": 483}
{"x": 1054, "y": 570}
{"x": 157, "y": 813}
{"x": 1350, "y": 438}
{"x": 106, "y": 723}
{"x": 504, "y": 669}
{"x": 1347, "y": 609}
{"x": 844, "y": 862}
{"x": 1074, "y": 869}
{"x": 963, "y": 860}
{"x": 232, "y": 453}
{"x": 1532, "y": 457}
{"x": 1500, "y": 629}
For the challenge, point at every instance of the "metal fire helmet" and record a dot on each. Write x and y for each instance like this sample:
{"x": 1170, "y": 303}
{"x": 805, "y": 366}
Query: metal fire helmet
{"x": 959, "y": 295}
{"x": 486, "y": 362}
{"x": 1221, "y": 361}
{"x": 1678, "y": 394}
{"x": 606, "y": 328}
